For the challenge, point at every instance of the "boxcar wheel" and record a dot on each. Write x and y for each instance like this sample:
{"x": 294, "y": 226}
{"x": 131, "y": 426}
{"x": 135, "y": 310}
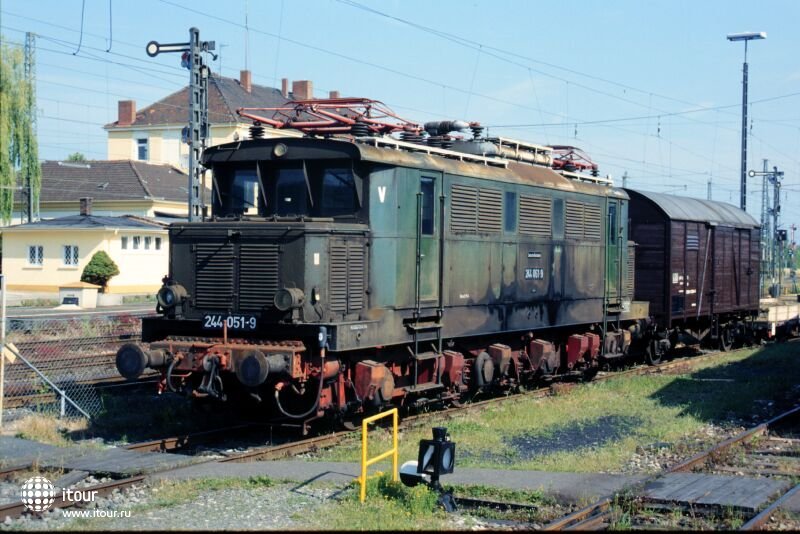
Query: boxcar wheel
{"x": 653, "y": 353}
{"x": 726, "y": 339}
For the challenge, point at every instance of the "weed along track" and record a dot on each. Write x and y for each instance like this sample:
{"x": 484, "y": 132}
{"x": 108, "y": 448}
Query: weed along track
{"x": 742, "y": 482}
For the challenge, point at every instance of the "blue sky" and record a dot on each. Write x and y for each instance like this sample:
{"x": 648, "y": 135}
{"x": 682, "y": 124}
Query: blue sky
{"x": 648, "y": 88}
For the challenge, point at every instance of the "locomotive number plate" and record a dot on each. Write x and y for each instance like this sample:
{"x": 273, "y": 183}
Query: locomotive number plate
{"x": 234, "y": 322}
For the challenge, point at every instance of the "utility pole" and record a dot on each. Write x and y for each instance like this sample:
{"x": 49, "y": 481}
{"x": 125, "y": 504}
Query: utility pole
{"x": 709, "y": 187}
{"x": 197, "y": 132}
{"x": 766, "y": 234}
{"x": 773, "y": 177}
{"x": 625, "y": 179}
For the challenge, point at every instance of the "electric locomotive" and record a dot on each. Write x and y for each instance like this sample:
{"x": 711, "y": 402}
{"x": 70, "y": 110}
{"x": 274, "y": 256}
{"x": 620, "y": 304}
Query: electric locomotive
{"x": 392, "y": 263}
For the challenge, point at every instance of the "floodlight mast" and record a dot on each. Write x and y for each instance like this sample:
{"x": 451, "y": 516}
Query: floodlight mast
{"x": 744, "y": 36}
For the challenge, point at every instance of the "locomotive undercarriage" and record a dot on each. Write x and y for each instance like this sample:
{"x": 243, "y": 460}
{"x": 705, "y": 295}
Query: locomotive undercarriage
{"x": 301, "y": 379}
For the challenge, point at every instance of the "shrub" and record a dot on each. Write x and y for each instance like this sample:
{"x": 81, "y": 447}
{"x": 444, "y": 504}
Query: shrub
{"x": 100, "y": 269}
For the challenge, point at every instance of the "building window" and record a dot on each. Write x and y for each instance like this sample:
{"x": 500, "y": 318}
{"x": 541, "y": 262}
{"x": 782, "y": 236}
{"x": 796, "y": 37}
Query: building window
{"x": 70, "y": 254}
{"x": 141, "y": 145}
{"x": 158, "y": 243}
{"x": 137, "y": 241}
{"x": 147, "y": 241}
{"x": 36, "y": 255}
{"x": 124, "y": 242}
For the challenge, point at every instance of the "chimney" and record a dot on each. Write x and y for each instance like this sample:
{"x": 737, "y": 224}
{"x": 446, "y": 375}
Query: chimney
{"x": 86, "y": 206}
{"x": 334, "y": 94}
{"x": 285, "y": 88}
{"x": 246, "y": 81}
{"x": 302, "y": 90}
{"x": 126, "y": 112}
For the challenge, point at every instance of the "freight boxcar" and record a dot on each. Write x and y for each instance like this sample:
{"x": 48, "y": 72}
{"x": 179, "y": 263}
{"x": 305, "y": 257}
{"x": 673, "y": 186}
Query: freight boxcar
{"x": 697, "y": 265}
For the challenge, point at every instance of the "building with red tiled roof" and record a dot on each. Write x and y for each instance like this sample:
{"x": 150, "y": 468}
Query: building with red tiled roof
{"x": 153, "y": 133}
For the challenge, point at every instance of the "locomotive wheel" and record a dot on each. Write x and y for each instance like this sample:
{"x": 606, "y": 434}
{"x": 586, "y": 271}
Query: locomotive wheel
{"x": 483, "y": 369}
{"x": 726, "y": 339}
{"x": 653, "y": 353}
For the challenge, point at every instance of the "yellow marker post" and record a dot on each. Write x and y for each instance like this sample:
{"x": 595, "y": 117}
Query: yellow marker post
{"x": 366, "y": 461}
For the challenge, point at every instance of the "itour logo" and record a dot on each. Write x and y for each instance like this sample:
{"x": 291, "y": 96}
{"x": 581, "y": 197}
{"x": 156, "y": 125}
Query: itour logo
{"x": 38, "y": 494}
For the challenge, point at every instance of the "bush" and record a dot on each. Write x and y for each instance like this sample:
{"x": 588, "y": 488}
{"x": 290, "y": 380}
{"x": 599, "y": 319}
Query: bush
{"x": 100, "y": 269}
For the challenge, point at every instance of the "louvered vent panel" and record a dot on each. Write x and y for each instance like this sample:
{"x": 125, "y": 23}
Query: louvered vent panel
{"x": 573, "y": 223}
{"x": 490, "y": 210}
{"x": 631, "y": 271}
{"x": 258, "y": 275}
{"x": 592, "y": 222}
{"x": 338, "y": 278}
{"x": 535, "y": 216}
{"x": 692, "y": 242}
{"x": 355, "y": 277}
{"x": 214, "y": 276}
{"x": 463, "y": 209}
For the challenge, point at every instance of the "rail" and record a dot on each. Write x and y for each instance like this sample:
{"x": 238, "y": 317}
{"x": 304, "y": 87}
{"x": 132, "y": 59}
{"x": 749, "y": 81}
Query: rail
{"x": 366, "y": 461}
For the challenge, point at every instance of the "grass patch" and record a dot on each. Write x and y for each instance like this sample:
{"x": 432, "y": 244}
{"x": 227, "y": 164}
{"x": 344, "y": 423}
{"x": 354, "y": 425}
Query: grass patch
{"x": 49, "y": 429}
{"x": 622, "y": 413}
{"x": 389, "y": 506}
{"x": 138, "y": 299}
{"x": 39, "y": 303}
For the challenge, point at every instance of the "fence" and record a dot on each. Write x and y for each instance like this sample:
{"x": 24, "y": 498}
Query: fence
{"x": 60, "y": 362}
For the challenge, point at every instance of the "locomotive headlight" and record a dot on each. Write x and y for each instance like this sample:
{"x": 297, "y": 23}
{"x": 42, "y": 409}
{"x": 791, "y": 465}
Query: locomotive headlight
{"x": 288, "y": 298}
{"x": 170, "y": 296}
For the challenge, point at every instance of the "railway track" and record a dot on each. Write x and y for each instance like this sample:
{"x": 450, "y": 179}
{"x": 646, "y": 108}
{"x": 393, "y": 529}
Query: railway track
{"x": 271, "y": 452}
{"x": 17, "y": 509}
{"x": 753, "y": 453}
{"x": 292, "y": 448}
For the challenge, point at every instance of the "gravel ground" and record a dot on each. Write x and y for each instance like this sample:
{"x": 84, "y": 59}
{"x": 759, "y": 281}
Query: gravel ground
{"x": 656, "y": 457}
{"x": 269, "y": 508}
{"x": 280, "y": 507}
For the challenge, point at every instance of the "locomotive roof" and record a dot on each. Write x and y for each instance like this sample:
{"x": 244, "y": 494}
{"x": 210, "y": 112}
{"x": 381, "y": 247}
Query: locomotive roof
{"x": 695, "y": 209}
{"x": 315, "y": 148}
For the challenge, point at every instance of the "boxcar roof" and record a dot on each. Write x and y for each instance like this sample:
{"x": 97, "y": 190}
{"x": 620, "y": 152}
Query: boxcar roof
{"x": 694, "y": 209}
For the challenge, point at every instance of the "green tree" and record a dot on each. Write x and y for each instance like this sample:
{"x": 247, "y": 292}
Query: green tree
{"x": 76, "y": 157}
{"x": 100, "y": 269}
{"x": 19, "y": 152}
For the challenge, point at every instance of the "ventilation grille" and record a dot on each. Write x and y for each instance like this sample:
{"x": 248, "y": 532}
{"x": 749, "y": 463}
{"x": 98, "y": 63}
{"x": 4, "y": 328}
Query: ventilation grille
{"x": 535, "y": 216}
{"x": 583, "y": 221}
{"x": 214, "y": 276}
{"x": 463, "y": 209}
{"x": 592, "y": 222}
{"x": 258, "y": 276}
{"x": 573, "y": 225}
{"x": 692, "y": 242}
{"x": 346, "y": 277}
{"x": 473, "y": 210}
{"x": 490, "y": 211}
